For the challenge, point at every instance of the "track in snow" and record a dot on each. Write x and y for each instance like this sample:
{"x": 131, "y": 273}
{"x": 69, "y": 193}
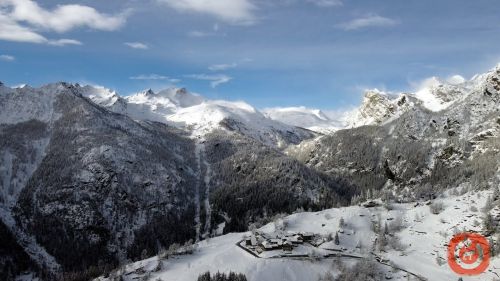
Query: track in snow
{"x": 202, "y": 187}
{"x": 207, "y": 178}
{"x": 197, "y": 153}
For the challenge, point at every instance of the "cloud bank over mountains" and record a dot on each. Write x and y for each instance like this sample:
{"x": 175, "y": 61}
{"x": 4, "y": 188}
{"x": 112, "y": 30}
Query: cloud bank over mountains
{"x": 26, "y": 21}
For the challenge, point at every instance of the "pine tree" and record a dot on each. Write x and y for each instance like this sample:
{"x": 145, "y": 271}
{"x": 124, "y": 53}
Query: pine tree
{"x": 488, "y": 205}
{"x": 382, "y": 241}
{"x": 219, "y": 277}
{"x": 232, "y": 276}
{"x": 368, "y": 194}
{"x": 336, "y": 239}
{"x": 498, "y": 245}
{"x": 204, "y": 277}
{"x": 496, "y": 193}
{"x": 440, "y": 261}
{"x": 488, "y": 224}
{"x": 341, "y": 222}
{"x": 144, "y": 254}
{"x": 493, "y": 247}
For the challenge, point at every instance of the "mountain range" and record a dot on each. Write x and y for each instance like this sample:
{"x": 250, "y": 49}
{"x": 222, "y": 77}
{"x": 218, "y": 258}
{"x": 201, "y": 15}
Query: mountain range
{"x": 118, "y": 178}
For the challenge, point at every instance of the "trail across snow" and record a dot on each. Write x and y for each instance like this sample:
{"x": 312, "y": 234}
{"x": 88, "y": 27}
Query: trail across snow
{"x": 202, "y": 192}
{"x": 197, "y": 153}
{"x": 207, "y": 178}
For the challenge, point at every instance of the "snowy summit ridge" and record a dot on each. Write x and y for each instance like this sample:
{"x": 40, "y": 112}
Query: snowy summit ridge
{"x": 180, "y": 108}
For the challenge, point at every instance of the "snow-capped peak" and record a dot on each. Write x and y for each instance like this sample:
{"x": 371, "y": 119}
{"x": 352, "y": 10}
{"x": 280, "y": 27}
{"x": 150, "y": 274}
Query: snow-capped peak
{"x": 378, "y": 107}
{"x": 299, "y": 111}
{"x": 181, "y": 97}
{"x": 300, "y": 116}
{"x": 171, "y": 97}
{"x": 236, "y": 116}
{"x": 147, "y": 92}
{"x": 456, "y": 79}
{"x": 100, "y": 95}
{"x": 437, "y": 95}
{"x": 24, "y": 104}
{"x": 185, "y": 110}
{"x": 207, "y": 115}
{"x": 492, "y": 83}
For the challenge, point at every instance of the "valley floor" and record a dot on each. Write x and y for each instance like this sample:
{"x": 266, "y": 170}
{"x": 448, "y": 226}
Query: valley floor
{"x": 420, "y": 246}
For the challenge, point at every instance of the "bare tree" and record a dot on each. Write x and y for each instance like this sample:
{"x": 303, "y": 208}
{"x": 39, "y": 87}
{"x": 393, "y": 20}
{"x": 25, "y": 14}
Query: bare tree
{"x": 436, "y": 207}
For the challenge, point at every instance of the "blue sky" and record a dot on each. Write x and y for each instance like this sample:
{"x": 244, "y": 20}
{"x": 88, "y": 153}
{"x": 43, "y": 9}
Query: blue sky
{"x": 316, "y": 53}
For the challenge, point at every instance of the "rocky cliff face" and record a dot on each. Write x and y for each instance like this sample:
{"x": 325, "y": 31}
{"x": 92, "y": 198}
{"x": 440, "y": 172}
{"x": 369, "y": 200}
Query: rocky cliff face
{"x": 420, "y": 149}
{"x": 379, "y": 107}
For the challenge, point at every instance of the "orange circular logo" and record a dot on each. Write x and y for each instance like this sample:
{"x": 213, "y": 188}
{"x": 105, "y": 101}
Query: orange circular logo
{"x": 468, "y": 253}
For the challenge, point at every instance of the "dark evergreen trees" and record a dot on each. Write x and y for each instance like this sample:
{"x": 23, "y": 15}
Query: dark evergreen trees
{"x": 232, "y": 276}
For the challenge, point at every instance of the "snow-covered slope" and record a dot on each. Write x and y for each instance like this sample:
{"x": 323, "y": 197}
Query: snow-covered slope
{"x": 416, "y": 244}
{"x": 312, "y": 119}
{"x": 379, "y": 107}
{"x": 434, "y": 94}
{"x": 179, "y": 108}
{"x": 26, "y": 103}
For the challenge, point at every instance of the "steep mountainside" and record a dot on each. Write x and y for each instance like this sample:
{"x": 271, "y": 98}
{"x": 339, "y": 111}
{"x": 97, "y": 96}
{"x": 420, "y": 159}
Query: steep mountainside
{"x": 76, "y": 175}
{"x": 13, "y": 259}
{"x": 422, "y": 149}
{"x": 91, "y": 180}
{"x": 254, "y": 181}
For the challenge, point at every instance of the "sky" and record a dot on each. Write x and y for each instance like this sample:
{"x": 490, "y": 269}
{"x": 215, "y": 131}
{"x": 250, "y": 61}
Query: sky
{"x": 315, "y": 53}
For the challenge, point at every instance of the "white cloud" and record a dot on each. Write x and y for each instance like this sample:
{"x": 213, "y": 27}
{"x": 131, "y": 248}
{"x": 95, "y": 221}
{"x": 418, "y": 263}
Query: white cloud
{"x": 231, "y": 11}
{"x": 10, "y": 30}
{"x": 326, "y": 3}
{"x": 63, "y": 42}
{"x": 7, "y": 58}
{"x": 367, "y": 21}
{"x": 23, "y": 20}
{"x": 154, "y": 77}
{"x": 64, "y": 17}
{"x": 216, "y": 79}
{"x": 137, "y": 45}
{"x": 456, "y": 79}
{"x": 219, "y": 67}
{"x": 200, "y": 34}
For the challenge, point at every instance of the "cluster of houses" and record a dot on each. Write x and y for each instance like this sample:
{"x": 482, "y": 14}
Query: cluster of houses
{"x": 260, "y": 242}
